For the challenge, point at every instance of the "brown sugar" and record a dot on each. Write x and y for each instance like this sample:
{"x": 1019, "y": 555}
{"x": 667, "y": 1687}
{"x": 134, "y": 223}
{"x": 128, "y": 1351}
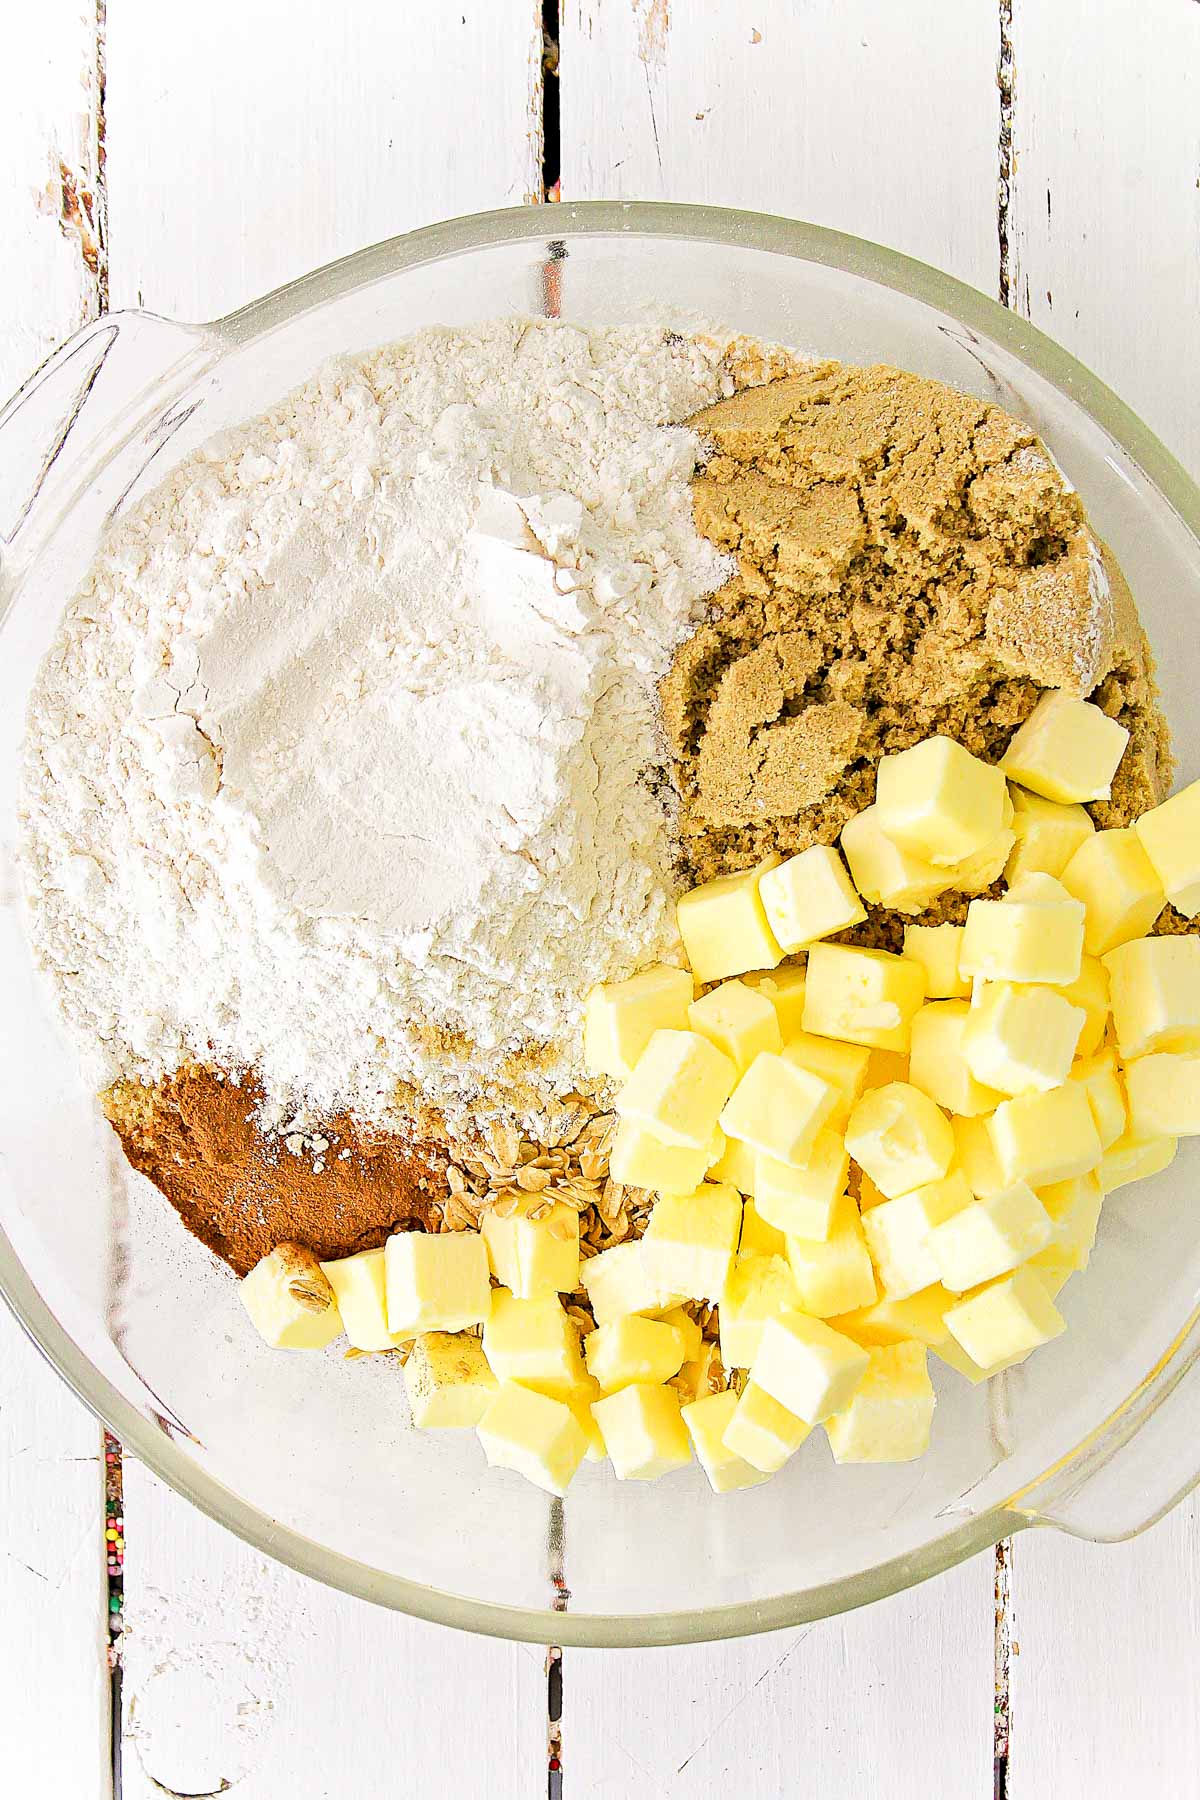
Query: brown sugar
{"x": 909, "y": 561}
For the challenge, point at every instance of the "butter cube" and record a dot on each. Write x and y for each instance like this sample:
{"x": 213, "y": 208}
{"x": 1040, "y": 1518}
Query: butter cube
{"x": 450, "y": 1385}
{"x": 974, "y": 1155}
{"x": 1006, "y": 1320}
{"x": 809, "y": 896}
{"x": 778, "y": 1108}
{"x": 834, "y": 1274}
{"x": 758, "y": 1288}
{"x": 900, "y": 1138}
{"x": 953, "y": 1354}
{"x": 886, "y": 875}
{"x": 886, "y": 1066}
{"x": 897, "y": 1233}
{"x": 862, "y": 996}
{"x": 843, "y": 1066}
{"x": 359, "y": 1289}
{"x": 1052, "y": 1274}
{"x": 1106, "y": 1095}
{"x": 679, "y": 1086}
{"x": 537, "y": 1436}
{"x": 1164, "y": 1095}
{"x": 1155, "y": 989}
{"x": 1117, "y": 883}
{"x": 1170, "y": 836}
{"x": 758, "y": 1235}
{"x": 689, "y": 1331}
{"x": 890, "y": 1417}
{"x": 939, "y": 802}
{"x": 640, "y": 1159}
{"x": 633, "y": 1349}
{"x": 619, "y": 1281}
{"x": 935, "y": 948}
{"x": 1067, "y": 750}
{"x": 690, "y": 1240}
{"x": 724, "y": 927}
{"x": 706, "y": 1422}
{"x": 1036, "y": 933}
{"x": 939, "y": 1065}
{"x": 436, "y": 1281}
{"x": 784, "y": 988}
{"x": 620, "y": 1017}
{"x": 989, "y": 1237}
{"x": 1047, "y": 835}
{"x": 290, "y": 1300}
{"x": 801, "y": 1201}
{"x": 581, "y": 1398}
{"x": 534, "y": 1342}
{"x": 734, "y": 1167}
{"x": 739, "y": 1020}
{"x": 975, "y": 873}
{"x": 1020, "y": 1039}
{"x": 762, "y": 1432}
{"x": 533, "y": 1256}
{"x": 809, "y": 1368}
{"x": 643, "y": 1431}
{"x": 920, "y": 1317}
{"x": 1090, "y": 991}
{"x": 1135, "y": 1159}
{"x": 1074, "y": 1209}
{"x": 1044, "y": 1138}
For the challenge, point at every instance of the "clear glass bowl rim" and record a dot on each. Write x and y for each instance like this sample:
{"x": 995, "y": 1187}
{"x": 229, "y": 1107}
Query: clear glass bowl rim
{"x": 702, "y": 224}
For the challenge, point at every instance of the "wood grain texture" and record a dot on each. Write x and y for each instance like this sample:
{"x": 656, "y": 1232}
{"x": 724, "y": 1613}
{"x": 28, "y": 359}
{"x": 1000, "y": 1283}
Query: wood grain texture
{"x": 861, "y": 114}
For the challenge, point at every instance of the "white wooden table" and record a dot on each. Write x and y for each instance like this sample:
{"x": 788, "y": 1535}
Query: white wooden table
{"x": 189, "y": 158}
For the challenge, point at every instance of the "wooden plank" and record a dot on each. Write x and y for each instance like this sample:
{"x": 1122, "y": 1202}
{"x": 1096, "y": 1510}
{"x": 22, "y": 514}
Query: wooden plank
{"x": 875, "y": 118}
{"x": 250, "y": 143}
{"x": 238, "y": 1671}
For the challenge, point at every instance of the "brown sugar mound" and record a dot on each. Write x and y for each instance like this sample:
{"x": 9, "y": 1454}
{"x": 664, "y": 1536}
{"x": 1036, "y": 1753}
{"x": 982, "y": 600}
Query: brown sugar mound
{"x": 909, "y": 561}
{"x": 195, "y": 1135}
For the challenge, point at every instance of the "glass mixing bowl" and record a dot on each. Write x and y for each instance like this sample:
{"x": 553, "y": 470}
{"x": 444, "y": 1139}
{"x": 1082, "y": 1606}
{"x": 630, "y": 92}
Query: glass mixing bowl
{"x": 313, "y": 1463}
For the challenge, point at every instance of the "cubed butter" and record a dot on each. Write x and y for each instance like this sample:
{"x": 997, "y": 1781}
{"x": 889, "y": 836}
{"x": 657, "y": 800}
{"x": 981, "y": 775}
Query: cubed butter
{"x": 534, "y": 1342}
{"x": 1019, "y": 1039}
{"x": 844, "y": 1066}
{"x": 359, "y": 1288}
{"x": 1036, "y": 933}
{"x": 620, "y": 1017}
{"x": 449, "y": 1382}
{"x": 1067, "y": 750}
{"x": 975, "y": 873}
{"x": 290, "y": 1300}
{"x": 939, "y": 802}
{"x": 1005, "y": 1320}
{"x": 1135, "y": 1159}
{"x": 678, "y": 1088}
{"x": 639, "y": 1159}
{"x": 688, "y": 1329}
{"x": 735, "y": 1167}
{"x": 739, "y": 1020}
{"x": 1154, "y": 984}
{"x": 883, "y": 873}
{"x": 834, "y": 1274}
{"x": 1106, "y": 1094}
{"x": 724, "y": 928}
{"x": 920, "y": 1317}
{"x": 1074, "y": 1209}
{"x": 537, "y": 1436}
{"x": 534, "y": 1256}
{"x": 952, "y": 1353}
{"x": 758, "y": 1288}
{"x": 762, "y": 1432}
{"x": 802, "y": 1200}
{"x": 1090, "y": 991}
{"x": 757, "y": 1234}
{"x": 884, "y": 1066}
{"x": 436, "y": 1281}
{"x": 1044, "y": 1138}
{"x": 809, "y": 1368}
{"x": 1047, "y": 835}
{"x": 809, "y": 896}
{"x": 936, "y": 948}
{"x": 581, "y": 1399}
{"x": 706, "y": 1421}
{"x": 989, "y": 1237}
{"x": 890, "y": 1416}
{"x": 862, "y": 996}
{"x": 1164, "y": 1095}
{"x": 974, "y": 1155}
{"x": 784, "y": 988}
{"x": 897, "y": 1233}
{"x": 1117, "y": 883}
{"x": 619, "y": 1281}
{"x": 938, "y": 1063}
{"x": 633, "y": 1349}
{"x": 900, "y": 1138}
{"x": 778, "y": 1108}
{"x": 643, "y": 1432}
{"x": 1170, "y": 836}
{"x": 691, "y": 1239}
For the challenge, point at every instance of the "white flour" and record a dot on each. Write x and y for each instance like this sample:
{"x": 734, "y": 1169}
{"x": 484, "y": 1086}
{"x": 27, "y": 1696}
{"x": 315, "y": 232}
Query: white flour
{"x": 351, "y": 731}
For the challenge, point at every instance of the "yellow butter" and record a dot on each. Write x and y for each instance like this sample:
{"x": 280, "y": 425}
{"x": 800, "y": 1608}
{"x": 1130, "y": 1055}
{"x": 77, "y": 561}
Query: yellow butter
{"x": 974, "y": 1155}
{"x": 844, "y": 1066}
{"x": 885, "y": 1066}
{"x": 690, "y": 1240}
{"x": 290, "y": 1300}
{"x": 734, "y": 1167}
{"x": 436, "y": 1281}
{"x": 618, "y": 1281}
{"x": 883, "y": 873}
{"x": 534, "y": 1256}
{"x": 1035, "y": 934}
{"x": 801, "y": 1200}
{"x": 1117, "y": 883}
{"x": 704, "y": 1374}
{"x": 975, "y": 873}
{"x": 688, "y": 1329}
{"x": 1019, "y": 1039}
{"x": 706, "y": 1421}
{"x": 1074, "y": 1209}
{"x": 900, "y": 1138}
{"x": 1090, "y": 992}
{"x": 807, "y": 1367}
{"x": 809, "y": 896}
{"x": 643, "y": 1432}
{"x": 581, "y": 1399}
{"x": 639, "y": 1159}
{"x": 758, "y": 1288}
{"x": 1047, "y": 835}
{"x": 778, "y": 1108}
{"x": 1164, "y": 1095}
{"x": 862, "y": 996}
{"x": 449, "y": 1382}
{"x": 1106, "y": 1094}
{"x": 724, "y": 928}
{"x": 678, "y": 1088}
{"x": 359, "y": 1287}
{"x": 1067, "y": 750}
{"x": 784, "y": 988}
{"x": 952, "y": 1353}
{"x": 739, "y": 1020}
{"x": 938, "y": 1062}
{"x": 1154, "y": 985}
{"x": 834, "y": 1274}
{"x": 537, "y": 1436}
{"x": 939, "y": 802}
{"x": 989, "y": 1237}
{"x": 1170, "y": 836}
{"x": 1135, "y": 1159}
{"x": 1044, "y": 1138}
{"x": 935, "y": 948}
{"x": 620, "y": 1017}
{"x": 633, "y": 1349}
{"x": 762, "y": 1432}
{"x": 890, "y": 1415}
{"x": 1005, "y": 1320}
{"x": 757, "y": 1234}
{"x": 533, "y": 1342}
{"x": 897, "y": 1234}
{"x": 920, "y": 1317}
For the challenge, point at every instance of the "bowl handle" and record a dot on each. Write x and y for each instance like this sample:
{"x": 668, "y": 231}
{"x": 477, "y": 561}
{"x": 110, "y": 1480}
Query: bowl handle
{"x": 74, "y": 409}
{"x": 1134, "y": 1467}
